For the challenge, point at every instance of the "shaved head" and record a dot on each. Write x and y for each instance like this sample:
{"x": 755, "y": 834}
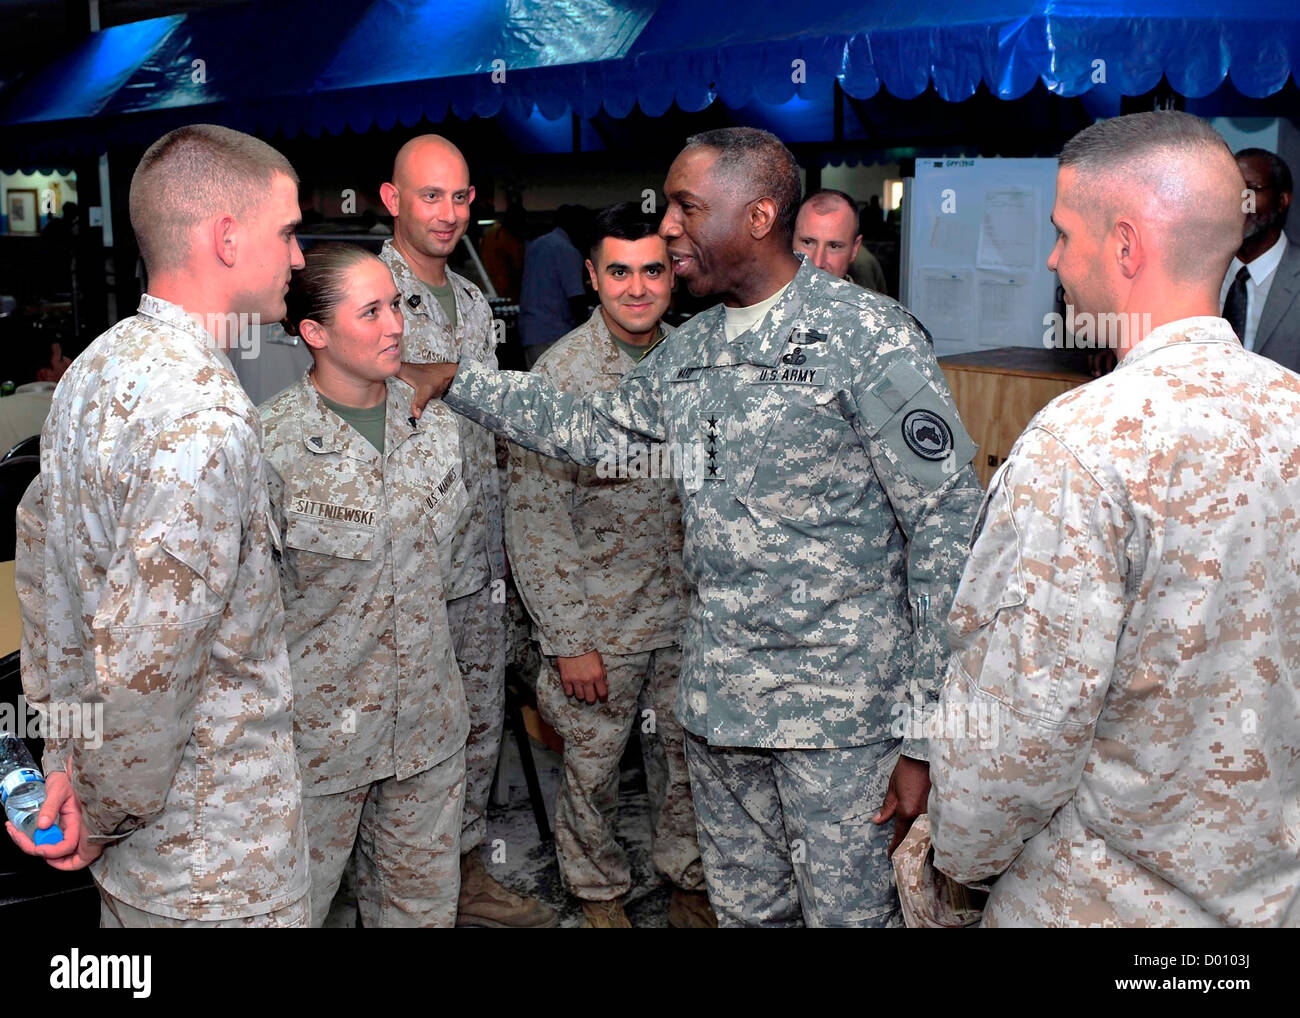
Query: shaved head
{"x": 429, "y": 199}
{"x": 413, "y": 159}
{"x": 1172, "y": 173}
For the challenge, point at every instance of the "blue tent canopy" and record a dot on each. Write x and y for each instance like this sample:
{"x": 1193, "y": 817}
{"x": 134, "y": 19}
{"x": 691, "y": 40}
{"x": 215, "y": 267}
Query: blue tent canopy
{"x": 285, "y": 66}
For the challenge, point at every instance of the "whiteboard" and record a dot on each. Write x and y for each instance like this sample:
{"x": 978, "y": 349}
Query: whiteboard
{"x": 976, "y": 237}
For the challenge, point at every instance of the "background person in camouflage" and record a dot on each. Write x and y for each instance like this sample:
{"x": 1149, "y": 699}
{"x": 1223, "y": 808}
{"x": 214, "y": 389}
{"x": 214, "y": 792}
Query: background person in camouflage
{"x": 824, "y": 537}
{"x": 145, "y": 567}
{"x": 596, "y": 554}
{"x": 447, "y": 317}
{"x": 365, "y": 500}
{"x": 1131, "y": 601}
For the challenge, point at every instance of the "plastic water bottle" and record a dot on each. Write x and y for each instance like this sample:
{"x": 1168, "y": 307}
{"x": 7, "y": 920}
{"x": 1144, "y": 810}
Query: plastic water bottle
{"x": 22, "y": 790}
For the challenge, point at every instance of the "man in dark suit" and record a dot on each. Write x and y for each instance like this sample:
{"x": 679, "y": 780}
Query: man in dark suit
{"x": 1261, "y": 291}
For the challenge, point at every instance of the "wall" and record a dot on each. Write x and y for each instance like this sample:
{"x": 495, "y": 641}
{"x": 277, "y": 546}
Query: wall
{"x": 67, "y": 191}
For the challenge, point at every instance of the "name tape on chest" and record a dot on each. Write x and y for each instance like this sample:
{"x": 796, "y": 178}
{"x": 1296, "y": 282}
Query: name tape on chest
{"x": 794, "y": 374}
{"x": 337, "y": 513}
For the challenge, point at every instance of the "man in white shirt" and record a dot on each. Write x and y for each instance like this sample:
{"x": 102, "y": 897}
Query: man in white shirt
{"x": 1259, "y": 292}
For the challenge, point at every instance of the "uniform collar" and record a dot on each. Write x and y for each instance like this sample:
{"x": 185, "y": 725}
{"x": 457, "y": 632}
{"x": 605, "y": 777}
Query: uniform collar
{"x": 417, "y": 296}
{"x": 324, "y": 431}
{"x": 1201, "y": 329}
{"x": 183, "y": 321}
{"x": 769, "y": 336}
{"x": 616, "y": 360}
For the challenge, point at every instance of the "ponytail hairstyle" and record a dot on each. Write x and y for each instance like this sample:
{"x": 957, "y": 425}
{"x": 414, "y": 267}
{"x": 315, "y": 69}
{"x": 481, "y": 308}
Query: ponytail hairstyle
{"x": 316, "y": 290}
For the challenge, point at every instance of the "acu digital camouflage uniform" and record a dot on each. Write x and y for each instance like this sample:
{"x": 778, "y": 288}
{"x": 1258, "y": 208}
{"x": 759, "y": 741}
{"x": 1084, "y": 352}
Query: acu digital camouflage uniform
{"x": 596, "y": 555}
{"x": 836, "y": 487}
{"x": 476, "y": 602}
{"x": 147, "y": 584}
{"x": 379, "y": 715}
{"x": 1131, "y": 609}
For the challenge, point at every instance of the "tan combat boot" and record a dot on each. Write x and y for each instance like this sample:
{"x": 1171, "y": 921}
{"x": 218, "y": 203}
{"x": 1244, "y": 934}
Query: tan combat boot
{"x": 690, "y": 910}
{"x": 485, "y": 902}
{"x": 605, "y": 915}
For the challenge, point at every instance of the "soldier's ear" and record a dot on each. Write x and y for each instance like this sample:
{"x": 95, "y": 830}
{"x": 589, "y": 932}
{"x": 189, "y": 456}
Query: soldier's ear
{"x": 762, "y": 217}
{"x": 388, "y": 195}
{"x": 313, "y": 334}
{"x": 591, "y": 271}
{"x": 222, "y": 233}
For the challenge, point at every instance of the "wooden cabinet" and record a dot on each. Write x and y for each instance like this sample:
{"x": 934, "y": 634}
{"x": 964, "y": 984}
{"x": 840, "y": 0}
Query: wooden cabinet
{"x": 999, "y": 391}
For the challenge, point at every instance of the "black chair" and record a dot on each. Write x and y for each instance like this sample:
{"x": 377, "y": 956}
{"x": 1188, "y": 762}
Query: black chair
{"x": 27, "y": 447}
{"x": 15, "y": 476}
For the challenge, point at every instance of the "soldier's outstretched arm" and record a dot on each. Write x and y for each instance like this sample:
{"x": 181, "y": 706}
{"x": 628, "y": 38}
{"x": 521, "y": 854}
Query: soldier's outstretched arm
{"x": 184, "y": 508}
{"x": 1034, "y": 629}
{"x": 921, "y": 455}
{"x": 528, "y": 410}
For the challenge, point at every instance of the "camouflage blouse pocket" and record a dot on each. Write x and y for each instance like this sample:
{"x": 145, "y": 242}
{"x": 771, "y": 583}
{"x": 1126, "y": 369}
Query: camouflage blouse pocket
{"x": 810, "y": 469}
{"x": 328, "y": 538}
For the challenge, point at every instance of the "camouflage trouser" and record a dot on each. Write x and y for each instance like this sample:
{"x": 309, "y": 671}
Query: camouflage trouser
{"x": 478, "y": 637}
{"x": 786, "y": 834}
{"x": 523, "y": 657}
{"x": 115, "y": 914}
{"x": 593, "y": 865}
{"x": 407, "y": 839}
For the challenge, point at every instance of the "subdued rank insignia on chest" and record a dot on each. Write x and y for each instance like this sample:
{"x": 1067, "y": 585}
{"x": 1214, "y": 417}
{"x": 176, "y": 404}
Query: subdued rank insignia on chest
{"x": 801, "y": 336}
{"x": 413, "y": 301}
{"x": 927, "y": 434}
{"x": 439, "y": 494}
{"x": 712, "y": 424}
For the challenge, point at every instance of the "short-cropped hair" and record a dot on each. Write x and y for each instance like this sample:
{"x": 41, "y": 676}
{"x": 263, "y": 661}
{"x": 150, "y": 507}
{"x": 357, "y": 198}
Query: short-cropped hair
{"x": 623, "y": 220}
{"x": 762, "y": 161}
{"x": 192, "y": 174}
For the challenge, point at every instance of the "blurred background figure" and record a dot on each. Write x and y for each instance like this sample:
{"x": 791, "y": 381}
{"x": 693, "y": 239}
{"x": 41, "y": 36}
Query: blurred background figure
{"x": 826, "y": 230}
{"x": 553, "y": 298}
{"x": 502, "y": 249}
{"x": 1259, "y": 291}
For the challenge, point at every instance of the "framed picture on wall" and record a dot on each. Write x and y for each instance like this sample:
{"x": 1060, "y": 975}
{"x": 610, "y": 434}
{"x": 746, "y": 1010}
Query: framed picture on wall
{"x": 20, "y": 207}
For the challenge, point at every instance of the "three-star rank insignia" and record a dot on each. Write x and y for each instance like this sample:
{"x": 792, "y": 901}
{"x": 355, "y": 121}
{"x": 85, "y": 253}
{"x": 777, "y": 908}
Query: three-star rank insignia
{"x": 711, "y": 423}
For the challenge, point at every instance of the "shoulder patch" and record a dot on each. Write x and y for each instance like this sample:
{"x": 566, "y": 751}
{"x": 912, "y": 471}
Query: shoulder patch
{"x": 927, "y": 434}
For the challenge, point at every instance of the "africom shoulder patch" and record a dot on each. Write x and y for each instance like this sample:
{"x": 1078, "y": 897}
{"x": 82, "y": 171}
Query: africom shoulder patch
{"x": 927, "y": 434}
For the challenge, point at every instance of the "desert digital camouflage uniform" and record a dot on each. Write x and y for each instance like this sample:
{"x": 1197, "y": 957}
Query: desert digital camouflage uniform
{"x": 1130, "y": 607}
{"x": 476, "y": 603}
{"x": 379, "y": 715}
{"x": 836, "y": 487}
{"x": 147, "y": 583}
{"x": 596, "y": 556}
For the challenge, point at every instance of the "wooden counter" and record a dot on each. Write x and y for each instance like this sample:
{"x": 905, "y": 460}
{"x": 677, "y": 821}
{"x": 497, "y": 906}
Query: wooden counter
{"x": 999, "y": 391}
